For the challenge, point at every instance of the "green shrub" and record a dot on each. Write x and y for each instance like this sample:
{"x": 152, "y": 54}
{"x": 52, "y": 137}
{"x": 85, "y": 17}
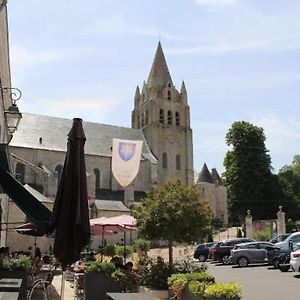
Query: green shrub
{"x": 189, "y": 266}
{"x": 96, "y": 266}
{"x": 108, "y": 251}
{"x": 177, "y": 283}
{"x": 195, "y": 281}
{"x": 229, "y": 290}
{"x": 201, "y": 277}
{"x": 239, "y": 233}
{"x": 262, "y": 235}
{"x": 119, "y": 250}
{"x": 197, "y": 288}
{"x": 141, "y": 246}
{"x": 21, "y": 262}
{"x": 127, "y": 280}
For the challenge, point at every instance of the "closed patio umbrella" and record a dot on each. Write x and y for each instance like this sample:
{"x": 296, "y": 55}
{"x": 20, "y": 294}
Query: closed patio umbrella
{"x": 70, "y": 216}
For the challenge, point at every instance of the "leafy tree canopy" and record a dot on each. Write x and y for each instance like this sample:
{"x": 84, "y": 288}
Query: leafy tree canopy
{"x": 248, "y": 174}
{"x": 173, "y": 212}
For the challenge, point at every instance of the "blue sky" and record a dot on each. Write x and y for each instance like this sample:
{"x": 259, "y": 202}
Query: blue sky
{"x": 240, "y": 60}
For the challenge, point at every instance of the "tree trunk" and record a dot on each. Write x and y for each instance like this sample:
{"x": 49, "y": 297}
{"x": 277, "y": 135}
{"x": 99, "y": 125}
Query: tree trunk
{"x": 170, "y": 253}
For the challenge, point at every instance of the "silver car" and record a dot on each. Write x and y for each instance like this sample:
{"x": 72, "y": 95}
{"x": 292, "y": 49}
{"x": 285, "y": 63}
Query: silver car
{"x": 249, "y": 253}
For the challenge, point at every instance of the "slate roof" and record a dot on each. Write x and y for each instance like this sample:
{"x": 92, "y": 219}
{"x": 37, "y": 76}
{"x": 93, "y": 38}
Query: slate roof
{"x": 159, "y": 74}
{"x": 108, "y": 194}
{"x": 50, "y": 133}
{"x": 111, "y": 205}
{"x": 204, "y": 175}
{"x": 216, "y": 177}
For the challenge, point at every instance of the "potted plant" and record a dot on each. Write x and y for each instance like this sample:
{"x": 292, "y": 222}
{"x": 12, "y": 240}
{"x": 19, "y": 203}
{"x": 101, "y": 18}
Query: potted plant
{"x": 223, "y": 291}
{"x": 126, "y": 279}
{"x": 17, "y": 268}
{"x": 98, "y": 280}
{"x": 153, "y": 277}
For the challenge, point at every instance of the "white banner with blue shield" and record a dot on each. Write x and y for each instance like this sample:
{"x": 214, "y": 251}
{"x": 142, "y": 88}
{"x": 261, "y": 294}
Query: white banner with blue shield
{"x": 126, "y": 156}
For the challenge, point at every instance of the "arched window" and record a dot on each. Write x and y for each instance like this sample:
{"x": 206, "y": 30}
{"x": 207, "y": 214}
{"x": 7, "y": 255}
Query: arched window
{"x": 178, "y": 165}
{"x": 164, "y": 160}
{"x": 169, "y": 95}
{"x": 177, "y": 118}
{"x": 20, "y": 172}
{"x": 146, "y": 117}
{"x": 170, "y": 117}
{"x": 97, "y": 180}
{"x": 58, "y": 170}
{"x": 161, "y": 116}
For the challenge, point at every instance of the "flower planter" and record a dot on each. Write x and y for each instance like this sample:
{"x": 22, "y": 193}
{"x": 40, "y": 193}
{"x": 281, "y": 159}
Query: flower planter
{"x": 97, "y": 284}
{"x": 223, "y": 298}
{"x": 17, "y": 274}
{"x": 161, "y": 294}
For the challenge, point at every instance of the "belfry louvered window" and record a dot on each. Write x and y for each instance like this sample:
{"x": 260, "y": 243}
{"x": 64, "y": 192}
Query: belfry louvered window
{"x": 177, "y": 118}
{"x": 161, "y": 116}
{"x": 170, "y": 121}
{"x": 178, "y": 164}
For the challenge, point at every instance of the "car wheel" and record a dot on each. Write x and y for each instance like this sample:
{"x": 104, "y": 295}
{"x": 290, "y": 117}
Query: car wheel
{"x": 284, "y": 268}
{"x": 202, "y": 258}
{"x": 243, "y": 262}
{"x": 225, "y": 260}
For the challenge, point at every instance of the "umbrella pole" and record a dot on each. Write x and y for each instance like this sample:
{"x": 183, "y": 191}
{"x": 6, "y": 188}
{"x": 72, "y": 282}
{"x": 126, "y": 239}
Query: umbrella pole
{"x": 124, "y": 254}
{"x": 102, "y": 243}
{"x": 63, "y": 277}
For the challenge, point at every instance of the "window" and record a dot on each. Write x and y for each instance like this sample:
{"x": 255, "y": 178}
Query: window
{"x": 143, "y": 120}
{"x": 58, "y": 170}
{"x": 138, "y": 121}
{"x": 20, "y": 172}
{"x": 97, "y": 180}
{"x": 161, "y": 116}
{"x": 169, "y": 95}
{"x": 146, "y": 117}
{"x": 177, "y": 118}
{"x": 164, "y": 160}
{"x": 169, "y": 117}
{"x": 178, "y": 166}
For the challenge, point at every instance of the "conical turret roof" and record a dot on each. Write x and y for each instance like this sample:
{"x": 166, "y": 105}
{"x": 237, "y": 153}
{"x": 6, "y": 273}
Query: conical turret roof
{"x": 159, "y": 74}
{"x": 216, "y": 177}
{"x": 204, "y": 175}
{"x": 183, "y": 89}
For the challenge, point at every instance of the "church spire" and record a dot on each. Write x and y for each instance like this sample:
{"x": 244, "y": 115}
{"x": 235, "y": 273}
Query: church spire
{"x": 159, "y": 75}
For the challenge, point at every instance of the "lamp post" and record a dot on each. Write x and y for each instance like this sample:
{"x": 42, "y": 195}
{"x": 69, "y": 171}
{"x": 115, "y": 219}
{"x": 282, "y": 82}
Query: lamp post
{"x": 12, "y": 114}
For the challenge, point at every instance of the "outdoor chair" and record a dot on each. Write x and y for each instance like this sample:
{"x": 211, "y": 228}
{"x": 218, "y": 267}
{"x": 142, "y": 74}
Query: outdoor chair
{"x": 40, "y": 286}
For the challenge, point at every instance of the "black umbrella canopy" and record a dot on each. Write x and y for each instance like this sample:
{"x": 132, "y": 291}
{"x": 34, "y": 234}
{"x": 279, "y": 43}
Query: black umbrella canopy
{"x": 70, "y": 216}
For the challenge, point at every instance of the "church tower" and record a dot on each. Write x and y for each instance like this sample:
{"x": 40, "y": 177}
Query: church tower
{"x": 162, "y": 112}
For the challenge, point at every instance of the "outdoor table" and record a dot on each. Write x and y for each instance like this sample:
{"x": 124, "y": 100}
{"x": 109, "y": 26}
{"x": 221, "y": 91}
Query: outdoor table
{"x": 9, "y": 295}
{"x": 129, "y": 296}
{"x": 10, "y": 284}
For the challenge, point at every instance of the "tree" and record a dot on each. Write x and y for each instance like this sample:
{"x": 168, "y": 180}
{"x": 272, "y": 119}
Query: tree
{"x": 248, "y": 174}
{"x": 173, "y": 212}
{"x": 289, "y": 180}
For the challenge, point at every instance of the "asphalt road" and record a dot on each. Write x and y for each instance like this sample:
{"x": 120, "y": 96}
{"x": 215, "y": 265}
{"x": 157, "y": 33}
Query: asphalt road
{"x": 259, "y": 282}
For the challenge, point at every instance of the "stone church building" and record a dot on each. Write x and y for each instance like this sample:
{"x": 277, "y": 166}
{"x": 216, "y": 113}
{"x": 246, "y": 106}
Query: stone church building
{"x": 160, "y": 118}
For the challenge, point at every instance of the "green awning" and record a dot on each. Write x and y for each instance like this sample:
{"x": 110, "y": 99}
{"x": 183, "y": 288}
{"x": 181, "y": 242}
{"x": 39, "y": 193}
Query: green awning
{"x": 31, "y": 207}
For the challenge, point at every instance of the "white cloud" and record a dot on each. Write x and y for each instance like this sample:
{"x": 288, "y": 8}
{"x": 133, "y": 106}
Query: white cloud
{"x": 24, "y": 57}
{"x": 215, "y": 2}
{"x": 95, "y": 110}
{"x": 117, "y": 24}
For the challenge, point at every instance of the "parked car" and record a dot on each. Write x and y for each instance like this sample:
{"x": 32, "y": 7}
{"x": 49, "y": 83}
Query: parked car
{"x": 212, "y": 250}
{"x": 285, "y": 245}
{"x": 249, "y": 253}
{"x": 202, "y": 251}
{"x": 295, "y": 258}
{"x": 279, "y": 238}
{"x": 221, "y": 252}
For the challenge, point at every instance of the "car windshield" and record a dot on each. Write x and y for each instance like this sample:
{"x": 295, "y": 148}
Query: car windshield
{"x": 296, "y": 247}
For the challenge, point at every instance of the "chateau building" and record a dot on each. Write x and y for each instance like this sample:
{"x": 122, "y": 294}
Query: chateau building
{"x": 160, "y": 118}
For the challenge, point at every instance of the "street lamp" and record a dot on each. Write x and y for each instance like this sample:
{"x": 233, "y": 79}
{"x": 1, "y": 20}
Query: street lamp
{"x": 12, "y": 114}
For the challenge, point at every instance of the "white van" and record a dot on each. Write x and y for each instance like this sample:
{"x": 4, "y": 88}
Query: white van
{"x": 285, "y": 245}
